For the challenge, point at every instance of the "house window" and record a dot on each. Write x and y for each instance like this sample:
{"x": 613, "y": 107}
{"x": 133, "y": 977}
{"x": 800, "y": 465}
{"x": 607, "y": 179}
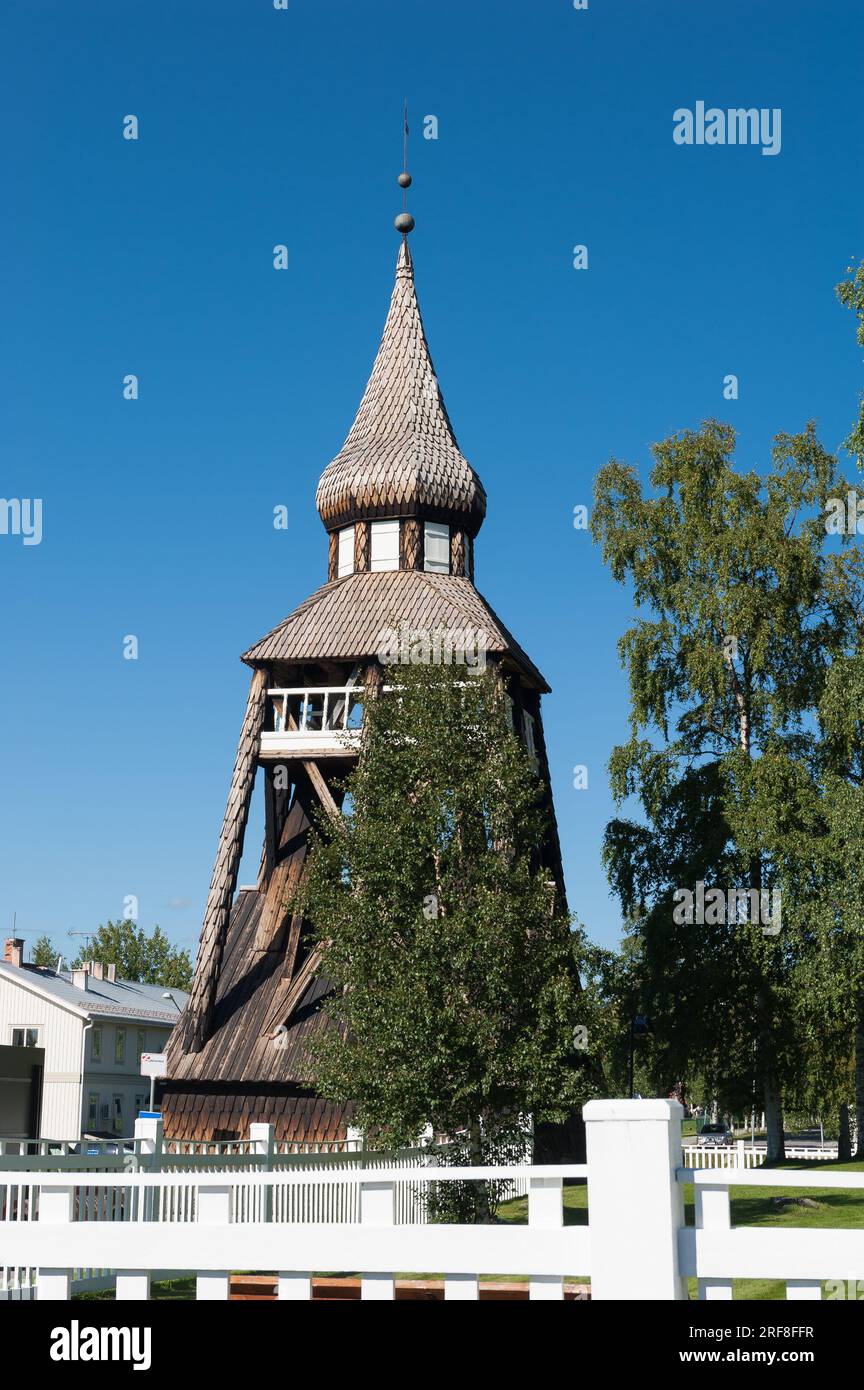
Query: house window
{"x": 96, "y": 1045}
{"x": 385, "y": 545}
{"x": 25, "y": 1037}
{"x": 345, "y": 555}
{"x": 437, "y": 548}
{"x": 118, "y": 1114}
{"x": 92, "y": 1109}
{"x": 528, "y": 726}
{"x": 120, "y": 1046}
{"x": 140, "y": 1044}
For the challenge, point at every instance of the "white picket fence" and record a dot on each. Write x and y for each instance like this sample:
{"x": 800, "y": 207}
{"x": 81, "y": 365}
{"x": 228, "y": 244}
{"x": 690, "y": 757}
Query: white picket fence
{"x": 636, "y": 1246}
{"x": 334, "y": 1197}
{"x": 742, "y": 1154}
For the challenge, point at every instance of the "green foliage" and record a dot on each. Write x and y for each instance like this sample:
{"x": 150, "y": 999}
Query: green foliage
{"x": 735, "y": 627}
{"x": 44, "y": 952}
{"x": 454, "y": 969}
{"x": 145, "y": 959}
{"x": 851, "y": 293}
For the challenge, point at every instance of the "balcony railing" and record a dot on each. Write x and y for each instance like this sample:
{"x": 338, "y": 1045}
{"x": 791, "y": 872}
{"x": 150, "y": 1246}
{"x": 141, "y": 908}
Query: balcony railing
{"x": 318, "y": 718}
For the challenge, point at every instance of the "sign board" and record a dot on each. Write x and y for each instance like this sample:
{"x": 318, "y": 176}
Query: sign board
{"x": 154, "y": 1064}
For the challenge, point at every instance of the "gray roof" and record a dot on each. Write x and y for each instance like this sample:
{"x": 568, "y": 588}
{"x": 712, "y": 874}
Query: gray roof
{"x": 118, "y": 998}
{"x": 401, "y": 457}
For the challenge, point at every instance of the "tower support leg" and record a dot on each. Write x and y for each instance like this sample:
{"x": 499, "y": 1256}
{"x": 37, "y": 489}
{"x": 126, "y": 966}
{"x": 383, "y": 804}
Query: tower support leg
{"x": 198, "y": 1018}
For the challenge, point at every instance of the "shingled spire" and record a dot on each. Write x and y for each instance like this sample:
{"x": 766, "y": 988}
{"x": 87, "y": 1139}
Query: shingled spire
{"x": 401, "y": 458}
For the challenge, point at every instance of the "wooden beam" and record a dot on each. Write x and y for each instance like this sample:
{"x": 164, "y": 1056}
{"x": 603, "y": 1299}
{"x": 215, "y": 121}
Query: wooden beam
{"x": 321, "y": 789}
{"x": 197, "y": 1021}
{"x": 293, "y": 844}
{"x": 297, "y": 988}
{"x": 292, "y": 946}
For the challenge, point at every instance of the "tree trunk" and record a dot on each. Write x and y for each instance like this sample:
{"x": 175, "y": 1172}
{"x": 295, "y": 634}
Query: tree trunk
{"x": 773, "y": 1118}
{"x": 482, "y": 1205}
{"x": 859, "y": 1085}
{"x": 772, "y": 1096}
{"x": 844, "y": 1140}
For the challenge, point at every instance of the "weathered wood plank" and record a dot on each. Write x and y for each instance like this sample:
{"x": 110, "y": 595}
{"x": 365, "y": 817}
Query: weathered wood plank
{"x": 193, "y": 1030}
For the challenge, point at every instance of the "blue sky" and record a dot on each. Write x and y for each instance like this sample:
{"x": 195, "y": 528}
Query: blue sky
{"x": 154, "y": 257}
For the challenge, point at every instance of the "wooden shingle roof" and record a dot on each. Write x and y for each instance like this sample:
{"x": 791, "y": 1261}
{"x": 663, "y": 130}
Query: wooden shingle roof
{"x": 346, "y": 619}
{"x": 401, "y": 457}
{"x": 241, "y": 1045}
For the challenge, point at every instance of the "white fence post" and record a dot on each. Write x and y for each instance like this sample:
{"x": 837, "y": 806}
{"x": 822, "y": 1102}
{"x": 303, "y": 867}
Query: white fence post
{"x": 353, "y": 1139}
{"x": 804, "y": 1290}
{"x": 463, "y": 1288}
{"x": 740, "y": 1160}
{"x": 149, "y": 1143}
{"x": 214, "y": 1209}
{"x": 294, "y": 1287}
{"x": 149, "y": 1136}
{"x": 55, "y": 1209}
{"x": 133, "y": 1284}
{"x": 377, "y": 1208}
{"x": 546, "y": 1212}
{"x": 713, "y": 1214}
{"x": 635, "y": 1203}
{"x": 263, "y": 1145}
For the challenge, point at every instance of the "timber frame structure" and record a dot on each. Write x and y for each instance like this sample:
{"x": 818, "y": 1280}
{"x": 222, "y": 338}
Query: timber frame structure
{"x": 402, "y": 507}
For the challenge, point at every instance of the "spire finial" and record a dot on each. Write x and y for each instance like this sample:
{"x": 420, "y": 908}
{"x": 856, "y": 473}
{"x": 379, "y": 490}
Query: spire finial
{"x": 404, "y": 223}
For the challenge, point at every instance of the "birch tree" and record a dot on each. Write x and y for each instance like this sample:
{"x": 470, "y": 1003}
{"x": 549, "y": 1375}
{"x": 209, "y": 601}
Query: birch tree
{"x": 452, "y": 962}
{"x": 725, "y": 661}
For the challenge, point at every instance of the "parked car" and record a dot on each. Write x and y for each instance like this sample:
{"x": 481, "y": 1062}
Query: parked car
{"x": 713, "y": 1135}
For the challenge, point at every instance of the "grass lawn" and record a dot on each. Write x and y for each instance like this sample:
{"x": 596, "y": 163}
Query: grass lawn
{"x": 170, "y": 1290}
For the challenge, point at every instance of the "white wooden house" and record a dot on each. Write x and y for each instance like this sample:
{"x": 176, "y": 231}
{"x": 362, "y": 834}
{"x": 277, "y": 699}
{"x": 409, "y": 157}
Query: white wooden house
{"x": 93, "y": 1029}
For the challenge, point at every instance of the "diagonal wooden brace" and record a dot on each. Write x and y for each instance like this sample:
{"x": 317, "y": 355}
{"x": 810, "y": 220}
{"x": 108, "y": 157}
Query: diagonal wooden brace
{"x": 197, "y": 1020}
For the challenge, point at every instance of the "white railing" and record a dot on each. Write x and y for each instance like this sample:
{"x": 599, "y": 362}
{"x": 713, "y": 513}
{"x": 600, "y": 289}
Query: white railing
{"x": 41, "y": 1148}
{"x": 715, "y": 1252}
{"x": 212, "y": 1215}
{"x": 744, "y": 1155}
{"x": 311, "y": 715}
{"x": 96, "y": 1199}
{"x": 17, "y": 1283}
{"x": 333, "y": 1200}
{"x": 373, "y": 1244}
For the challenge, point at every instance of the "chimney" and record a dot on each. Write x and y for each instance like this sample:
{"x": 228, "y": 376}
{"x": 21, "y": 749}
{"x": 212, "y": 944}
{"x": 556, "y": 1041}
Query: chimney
{"x": 96, "y": 969}
{"x": 13, "y": 951}
{"x": 111, "y": 972}
{"x": 79, "y": 976}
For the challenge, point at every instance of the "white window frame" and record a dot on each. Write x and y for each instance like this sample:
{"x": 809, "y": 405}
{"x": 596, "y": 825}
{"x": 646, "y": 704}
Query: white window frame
{"x": 25, "y": 1031}
{"x": 528, "y": 727}
{"x": 436, "y": 532}
{"x": 384, "y": 539}
{"x": 345, "y": 552}
{"x": 120, "y": 1047}
{"x": 96, "y": 1043}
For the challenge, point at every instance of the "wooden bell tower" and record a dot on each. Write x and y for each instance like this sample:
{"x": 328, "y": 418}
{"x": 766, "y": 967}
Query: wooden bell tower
{"x": 402, "y": 508}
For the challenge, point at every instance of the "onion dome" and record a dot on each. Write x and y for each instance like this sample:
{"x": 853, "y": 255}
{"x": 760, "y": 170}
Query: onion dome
{"x": 401, "y": 458}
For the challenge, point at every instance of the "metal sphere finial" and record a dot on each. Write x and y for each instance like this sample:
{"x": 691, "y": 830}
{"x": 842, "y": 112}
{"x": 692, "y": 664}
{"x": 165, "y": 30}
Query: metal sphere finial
{"x": 404, "y": 223}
